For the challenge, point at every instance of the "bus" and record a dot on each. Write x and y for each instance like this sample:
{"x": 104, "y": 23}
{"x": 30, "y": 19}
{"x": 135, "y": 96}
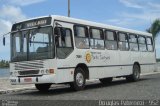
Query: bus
{"x": 62, "y": 50}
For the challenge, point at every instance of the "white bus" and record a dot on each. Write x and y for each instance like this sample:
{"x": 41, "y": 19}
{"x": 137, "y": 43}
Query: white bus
{"x": 57, "y": 49}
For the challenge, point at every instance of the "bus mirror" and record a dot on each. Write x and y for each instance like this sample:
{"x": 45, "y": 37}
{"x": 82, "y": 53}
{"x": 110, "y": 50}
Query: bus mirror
{"x": 4, "y": 41}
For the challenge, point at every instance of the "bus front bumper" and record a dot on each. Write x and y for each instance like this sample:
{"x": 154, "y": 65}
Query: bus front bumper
{"x": 33, "y": 80}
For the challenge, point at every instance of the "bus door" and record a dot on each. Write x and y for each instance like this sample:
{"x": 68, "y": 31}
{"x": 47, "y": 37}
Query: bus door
{"x": 64, "y": 50}
{"x": 112, "y": 53}
{"x": 124, "y": 54}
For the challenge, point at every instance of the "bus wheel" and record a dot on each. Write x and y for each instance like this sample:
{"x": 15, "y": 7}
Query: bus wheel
{"x": 79, "y": 80}
{"x": 136, "y": 74}
{"x": 43, "y": 87}
{"x": 106, "y": 80}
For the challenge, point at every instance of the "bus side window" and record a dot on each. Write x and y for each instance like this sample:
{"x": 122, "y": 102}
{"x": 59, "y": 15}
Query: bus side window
{"x": 142, "y": 43}
{"x": 111, "y": 40}
{"x": 64, "y": 43}
{"x": 149, "y": 44}
{"x": 97, "y": 38}
{"x": 133, "y": 42}
{"x": 81, "y": 37}
{"x": 123, "y": 41}
{"x": 65, "y": 38}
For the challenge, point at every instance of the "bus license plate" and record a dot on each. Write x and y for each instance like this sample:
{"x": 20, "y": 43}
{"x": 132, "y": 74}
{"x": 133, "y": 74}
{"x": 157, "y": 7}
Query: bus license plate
{"x": 27, "y": 79}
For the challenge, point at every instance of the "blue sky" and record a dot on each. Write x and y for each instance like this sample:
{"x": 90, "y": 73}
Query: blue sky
{"x": 133, "y": 14}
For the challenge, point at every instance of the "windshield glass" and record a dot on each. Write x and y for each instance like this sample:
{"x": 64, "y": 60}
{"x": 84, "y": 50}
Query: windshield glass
{"x": 33, "y": 44}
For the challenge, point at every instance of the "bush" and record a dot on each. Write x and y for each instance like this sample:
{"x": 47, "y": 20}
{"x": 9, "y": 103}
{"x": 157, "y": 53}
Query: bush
{"x": 4, "y": 64}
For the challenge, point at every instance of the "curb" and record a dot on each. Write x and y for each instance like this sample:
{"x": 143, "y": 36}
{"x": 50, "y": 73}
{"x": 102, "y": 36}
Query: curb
{"x": 33, "y": 87}
{"x": 15, "y": 90}
{"x": 157, "y": 72}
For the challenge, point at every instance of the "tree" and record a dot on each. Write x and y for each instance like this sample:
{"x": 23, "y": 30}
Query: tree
{"x": 154, "y": 28}
{"x": 4, "y": 64}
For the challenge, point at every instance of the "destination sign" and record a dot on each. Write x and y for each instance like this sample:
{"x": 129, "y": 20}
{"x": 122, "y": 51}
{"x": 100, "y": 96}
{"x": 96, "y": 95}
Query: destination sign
{"x": 32, "y": 23}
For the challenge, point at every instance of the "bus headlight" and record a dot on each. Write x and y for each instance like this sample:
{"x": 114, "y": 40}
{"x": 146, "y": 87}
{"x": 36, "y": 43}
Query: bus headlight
{"x": 47, "y": 71}
{"x": 42, "y": 71}
{"x": 15, "y": 73}
{"x": 11, "y": 73}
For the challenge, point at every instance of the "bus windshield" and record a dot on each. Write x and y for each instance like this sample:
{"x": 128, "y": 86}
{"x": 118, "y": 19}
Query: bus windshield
{"x": 32, "y": 44}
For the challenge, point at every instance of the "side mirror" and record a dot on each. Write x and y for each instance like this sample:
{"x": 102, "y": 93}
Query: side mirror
{"x": 4, "y": 41}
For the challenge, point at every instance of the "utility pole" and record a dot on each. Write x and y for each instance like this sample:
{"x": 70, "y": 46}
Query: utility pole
{"x": 68, "y": 8}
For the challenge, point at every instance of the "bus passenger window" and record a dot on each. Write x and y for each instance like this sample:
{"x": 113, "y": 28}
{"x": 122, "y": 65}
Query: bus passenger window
{"x": 142, "y": 43}
{"x": 111, "y": 40}
{"x": 65, "y": 39}
{"x": 149, "y": 44}
{"x": 97, "y": 39}
{"x": 81, "y": 37}
{"x": 133, "y": 42}
{"x": 123, "y": 41}
{"x": 64, "y": 43}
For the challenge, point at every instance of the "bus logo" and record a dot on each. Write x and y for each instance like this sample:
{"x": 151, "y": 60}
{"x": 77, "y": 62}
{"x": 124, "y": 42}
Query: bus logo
{"x": 88, "y": 57}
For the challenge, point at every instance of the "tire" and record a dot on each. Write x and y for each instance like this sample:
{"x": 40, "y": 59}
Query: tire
{"x": 79, "y": 80}
{"x": 136, "y": 74}
{"x": 43, "y": 87}
{"x": 106, "y": 80}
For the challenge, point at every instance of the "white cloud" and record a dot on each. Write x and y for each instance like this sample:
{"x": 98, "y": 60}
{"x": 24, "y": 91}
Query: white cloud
{"x": 146, "y": 13}
{"x": 8, "y": 15}
{"x": 5, "y": 26}
{"x": 125, "y": 22}
{"x": 154, "y": 5}
{"x": 144, "y": 16}
{"x": 24, "y": 2}
{"x": 131, "y": 3}
{"x": 11, "y": 13}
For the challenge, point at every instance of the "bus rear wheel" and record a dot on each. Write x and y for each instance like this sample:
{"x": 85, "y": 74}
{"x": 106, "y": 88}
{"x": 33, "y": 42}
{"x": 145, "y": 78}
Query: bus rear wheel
{"x": 79, "y": 80}
{"x": 43, "y": 87}
{"x": 106, "y": 80}
{"x": 136, "y": 74}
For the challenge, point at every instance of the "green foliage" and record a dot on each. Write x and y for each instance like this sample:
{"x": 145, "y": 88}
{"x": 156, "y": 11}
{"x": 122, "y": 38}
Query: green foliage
{"x": 154, "y": 28}
{"x": 4, "y": 64}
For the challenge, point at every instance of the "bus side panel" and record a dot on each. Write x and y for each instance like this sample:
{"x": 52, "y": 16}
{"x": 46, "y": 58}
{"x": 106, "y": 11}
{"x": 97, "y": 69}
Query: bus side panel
{"x": 96, "y": 73}
{"x": 109, "y": 64}
{"x": 147, "y": 62}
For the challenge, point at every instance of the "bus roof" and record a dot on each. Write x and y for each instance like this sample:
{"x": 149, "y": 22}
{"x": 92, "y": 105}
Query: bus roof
{"x": 90, "y": 23}
{"x": 85, "y": 22}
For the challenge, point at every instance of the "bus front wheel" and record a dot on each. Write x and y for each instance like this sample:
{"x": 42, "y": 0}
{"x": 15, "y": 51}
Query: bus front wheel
{"x": 43, "y": 87}
{"x": 136, "y": 74}
{"x": 79, "y": 80}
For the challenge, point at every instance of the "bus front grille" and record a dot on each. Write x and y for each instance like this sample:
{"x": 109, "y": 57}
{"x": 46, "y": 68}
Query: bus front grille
{"x": 29, "y": 65}
{"x": 29, "y": 72}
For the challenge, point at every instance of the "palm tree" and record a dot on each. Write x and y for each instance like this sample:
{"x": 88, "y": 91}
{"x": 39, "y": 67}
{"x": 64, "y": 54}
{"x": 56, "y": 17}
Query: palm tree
{"x": 154, "y": 28}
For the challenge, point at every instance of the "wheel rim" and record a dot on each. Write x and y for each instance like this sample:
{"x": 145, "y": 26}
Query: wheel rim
{"x": 136, "y": 72}
{"x": 79, "y": 79}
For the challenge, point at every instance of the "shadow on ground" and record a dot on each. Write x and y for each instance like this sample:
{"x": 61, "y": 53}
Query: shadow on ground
{"x": 66, "y": 89}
